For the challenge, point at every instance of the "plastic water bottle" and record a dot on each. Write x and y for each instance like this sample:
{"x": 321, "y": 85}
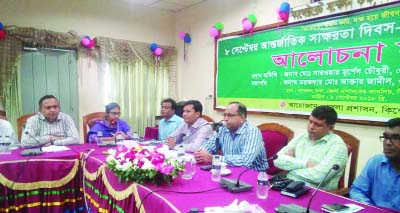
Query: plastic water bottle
{"x": 6, "y": 142}
{"x": 262, "y": 185}
{"x": 181, "y": 150}
{"x": 135, "y": 136}
{"x": 99, "y": 138}
{"x": 119, "y": 138}
{"x": 216, "y": 168}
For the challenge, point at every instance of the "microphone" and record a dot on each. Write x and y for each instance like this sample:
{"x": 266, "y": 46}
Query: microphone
{"x": 293, "y": 208}
{"x": 33, "y": 150}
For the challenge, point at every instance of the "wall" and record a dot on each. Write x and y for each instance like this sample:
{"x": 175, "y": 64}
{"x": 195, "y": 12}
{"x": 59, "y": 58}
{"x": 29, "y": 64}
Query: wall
{"x": 196, "y": 74}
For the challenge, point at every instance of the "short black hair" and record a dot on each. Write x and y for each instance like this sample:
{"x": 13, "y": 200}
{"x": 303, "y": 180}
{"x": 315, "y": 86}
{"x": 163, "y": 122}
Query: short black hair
{"x": 111, "y": 106}
{"x": 196, "y": 105}
{"x": 46, "y": 97}
{"x": 170, "y": 100}
{"x": 393, "y": 122}
{"x": 326, "y": 113}
{"x": 241, "y": 108}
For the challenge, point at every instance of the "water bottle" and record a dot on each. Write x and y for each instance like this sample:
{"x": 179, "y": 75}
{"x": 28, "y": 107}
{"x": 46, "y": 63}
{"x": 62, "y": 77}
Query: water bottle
{"x": 262, "y": 185}
{"x": 99, "y": 138}
{"x": 6, "y": 144}
{"x": 135, "y": 136}
{"x": 119, "y": 138}
{"x": 216, "y": 168}
{"x": 181, "y": 150}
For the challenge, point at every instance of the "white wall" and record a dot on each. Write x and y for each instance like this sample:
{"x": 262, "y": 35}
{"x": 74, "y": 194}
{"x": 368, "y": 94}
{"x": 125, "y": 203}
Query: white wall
{"x": 196, "y": 74}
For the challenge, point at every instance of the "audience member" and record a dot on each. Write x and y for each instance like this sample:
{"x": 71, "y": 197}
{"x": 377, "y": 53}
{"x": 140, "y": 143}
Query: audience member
{"x": 49, "y": 126}
{"x": 194, "y": 131}
{"x": 6, "y": 130}
{"x": 379, "y": 181}
{"x": 111, "y": 125}
{"x": 240, "y": 142}
{"x": 310, "y": 156}
{"x": 170, "y": 121}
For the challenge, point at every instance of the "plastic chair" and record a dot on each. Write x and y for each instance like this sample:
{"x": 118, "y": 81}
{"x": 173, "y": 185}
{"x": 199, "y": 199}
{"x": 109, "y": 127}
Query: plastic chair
{"x": 21, "y": 122}
{"x": 353, "y": 145}
{"x": 89, "y": 120}
{"x": 275, "y": 136}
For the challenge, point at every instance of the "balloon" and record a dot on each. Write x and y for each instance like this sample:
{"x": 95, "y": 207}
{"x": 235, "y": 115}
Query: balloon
{"x": 244, "y": 19}
{"x": 158, "y": 51}
{"x": 91, "y": 43}
{"x": 219, "y": 26}
{"x": 1, "y": 25}
{"x": 252, "y": 18}
{"x": 213, "y": 32}
{"x": 88, "y": 37}
{"x": 153, "y": 46}
{"x": 285, "y": 7}
{"x": 284, "y": 16}
{"x": 85, "y": 42}
{"x": 182, "y": 35}
{"x": 187, "y": 38}
{"x": 2, "y": 34}
{"x": 247, "y": 25}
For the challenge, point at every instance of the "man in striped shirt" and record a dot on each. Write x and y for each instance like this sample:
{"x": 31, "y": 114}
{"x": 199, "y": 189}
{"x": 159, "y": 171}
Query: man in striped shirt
{"x": 240, "y": 142}
{"x": 49, "y": 126}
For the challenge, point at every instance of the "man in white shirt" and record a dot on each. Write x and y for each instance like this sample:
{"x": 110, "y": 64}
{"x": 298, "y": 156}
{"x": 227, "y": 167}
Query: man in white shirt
{"x": 6, "y": 130}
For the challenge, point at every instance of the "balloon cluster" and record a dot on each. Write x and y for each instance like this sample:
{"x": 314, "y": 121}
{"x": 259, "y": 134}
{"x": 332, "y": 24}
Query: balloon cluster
{"x": 185, "y": 37}
{"x": 155, "y": 49}
{"x": 215, "y": 31}
{"x": 283, "y": 11}
{"x": 87, "y": 42}
{"x": 249, "y": 22}
{"x": 2, "y": 31}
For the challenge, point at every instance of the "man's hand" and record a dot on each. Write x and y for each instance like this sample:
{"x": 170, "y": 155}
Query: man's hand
{"x": 202, "y": 156}
{"x": 170, "y": 142}
{"x": 311, "y": 164}
{"x": 119, "y": 134}
{"x": 290, "y": 153}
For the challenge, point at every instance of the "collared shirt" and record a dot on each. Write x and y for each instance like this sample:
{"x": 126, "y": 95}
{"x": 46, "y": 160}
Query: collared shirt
{"x": 6, "y": 130}
{"x": 325, "y": 152}
{"x": 378, "y": 184}
{"x": 193, "y": 136}
{"x": 38, "y": 131}
{"x": 107, "y": 130}
{"x": 245, "y": 147}
{"x": 166, "y": 127}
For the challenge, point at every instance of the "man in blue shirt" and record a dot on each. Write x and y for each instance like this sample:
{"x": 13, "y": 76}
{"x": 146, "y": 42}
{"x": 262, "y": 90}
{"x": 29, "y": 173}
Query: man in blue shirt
{"x": 379, "y": 182}
{"x": 240, "y": 142}
{"x": 170, "y": 121}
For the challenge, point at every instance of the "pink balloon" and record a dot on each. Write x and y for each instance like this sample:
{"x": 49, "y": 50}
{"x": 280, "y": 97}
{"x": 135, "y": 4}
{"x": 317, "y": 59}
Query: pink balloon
{"x": 247, "y": 25}
{"x": 284, "y": 16}
{"x": 158, "y": 51}
{"x": 85, "y": 42}
{"x": 182, "y": 35}
{"x": 244, "y": 19}
{"x": 91, "y": 43}
{"x": 213, "y": 32}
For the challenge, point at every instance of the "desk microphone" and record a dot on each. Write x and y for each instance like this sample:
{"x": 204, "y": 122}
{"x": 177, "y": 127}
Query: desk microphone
{"x": 33, "y": 150}
{"x": 293, "y": 208}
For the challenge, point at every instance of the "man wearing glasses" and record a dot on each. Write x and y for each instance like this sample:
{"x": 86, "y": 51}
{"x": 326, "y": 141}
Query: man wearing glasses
{"x": 379, "y": 181}
{"x": 240, "y": 142}
{"x": 49, "y": 126}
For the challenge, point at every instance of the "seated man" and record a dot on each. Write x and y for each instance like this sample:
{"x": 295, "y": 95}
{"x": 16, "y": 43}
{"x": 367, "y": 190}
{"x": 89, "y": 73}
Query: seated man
{"x": 49, "y": 126}
{"x": 310, "y": 156}
{"x": 379, "y": 181}
{"x": 6, "y": 130}
{"x": 170, "y": 121}
{"x": 194, "y": 131}
{"x": 111, "y": 125}
{"x": 240, "y": 142}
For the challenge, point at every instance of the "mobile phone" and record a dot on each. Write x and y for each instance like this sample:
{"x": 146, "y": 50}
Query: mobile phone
{"x": 206, "y": 167}
{"x": 333, "y": 207}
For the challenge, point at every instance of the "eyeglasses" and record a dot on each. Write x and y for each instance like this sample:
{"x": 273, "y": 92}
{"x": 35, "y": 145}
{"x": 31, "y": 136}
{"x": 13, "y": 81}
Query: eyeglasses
{"x": 392, "y": 138}
{"x": 229, "y": 115}
{"x": 115, "y": 113}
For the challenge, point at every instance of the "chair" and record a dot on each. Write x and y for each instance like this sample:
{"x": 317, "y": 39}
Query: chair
{"x": 21, "y": 122}
{"x": 275, "y": 137}
{"x": 353, "y": 145}
{"x": 207, "y": 118}
{"x": 88, "y": 121}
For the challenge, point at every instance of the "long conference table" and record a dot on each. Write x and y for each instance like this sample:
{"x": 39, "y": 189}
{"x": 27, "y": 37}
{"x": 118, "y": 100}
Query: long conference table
{"x": 77, "y": 180}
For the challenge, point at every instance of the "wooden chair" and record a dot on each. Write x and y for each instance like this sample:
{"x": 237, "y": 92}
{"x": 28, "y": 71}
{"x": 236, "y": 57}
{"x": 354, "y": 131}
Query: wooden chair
{"x": 88, "y": 121}
{"x": 353, "y": 145}
{"x": 21, "y": 122}
{"x": 207, "y": 118}
{"x": 275, "y": 137}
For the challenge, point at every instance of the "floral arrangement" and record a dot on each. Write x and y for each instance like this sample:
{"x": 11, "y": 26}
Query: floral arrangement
{"x": 142, "y": 164}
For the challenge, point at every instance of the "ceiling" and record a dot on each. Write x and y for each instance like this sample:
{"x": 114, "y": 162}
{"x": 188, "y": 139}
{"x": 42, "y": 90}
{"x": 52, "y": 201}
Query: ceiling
{"x": 170, "y": 5}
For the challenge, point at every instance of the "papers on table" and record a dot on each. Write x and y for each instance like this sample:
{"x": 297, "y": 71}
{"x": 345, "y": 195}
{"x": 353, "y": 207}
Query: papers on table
{"x": 54, "y": 148}
{"x": 352, "y": 208}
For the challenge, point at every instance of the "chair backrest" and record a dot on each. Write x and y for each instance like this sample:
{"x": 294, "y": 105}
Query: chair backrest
{"x": 21, "y": 122}
{"x": 353, "y": 145}
{"x": 207, "y": 118}
{"x": 88, "y": 121}
{"x": 275, "y": 137}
